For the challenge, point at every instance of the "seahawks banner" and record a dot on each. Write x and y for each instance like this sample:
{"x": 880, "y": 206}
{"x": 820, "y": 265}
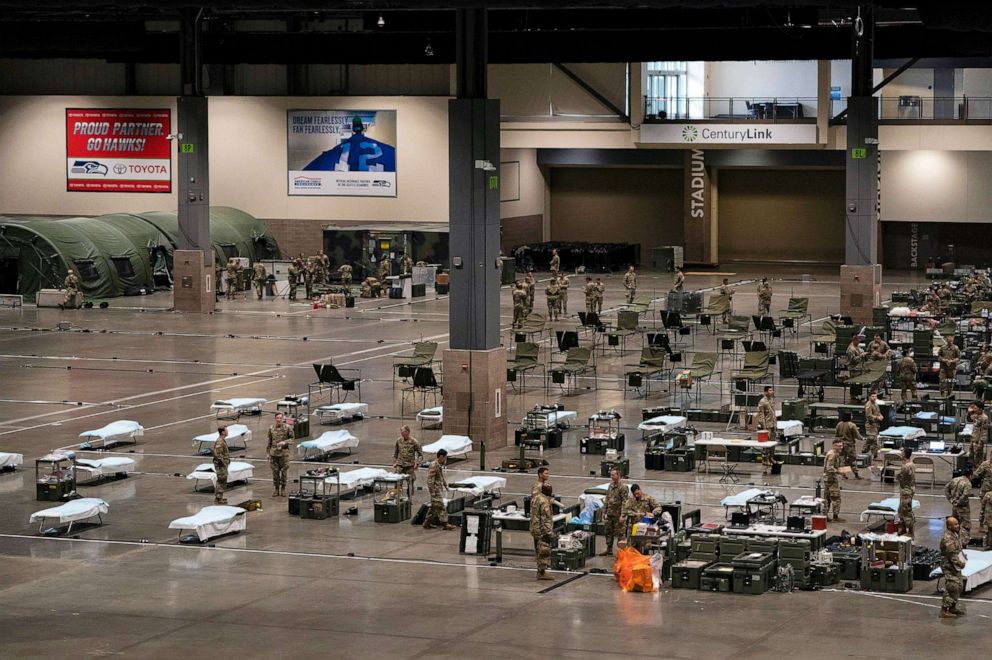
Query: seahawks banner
{"x": 342, "y": 152}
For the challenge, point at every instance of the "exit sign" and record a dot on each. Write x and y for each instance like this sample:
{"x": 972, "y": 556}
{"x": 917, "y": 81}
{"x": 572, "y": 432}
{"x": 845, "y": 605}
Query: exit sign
{"x": 859, "y": 153}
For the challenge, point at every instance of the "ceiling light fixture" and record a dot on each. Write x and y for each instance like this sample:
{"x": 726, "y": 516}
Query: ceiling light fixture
{"x": 381, "y": 22}
{"x": 428, "y": 49}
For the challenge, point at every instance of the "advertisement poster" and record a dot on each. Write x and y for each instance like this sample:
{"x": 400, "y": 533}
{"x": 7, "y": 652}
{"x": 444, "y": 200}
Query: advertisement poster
{"x": 118, "y": 150}
{"x": 342, "y": 152}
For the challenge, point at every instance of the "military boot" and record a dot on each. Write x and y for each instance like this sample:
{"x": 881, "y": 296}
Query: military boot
{"x": 541, "y": 575}
{"x": 958, "y": 611}
{"x": 947, "y": 614}
{"x": 275, "y": 492}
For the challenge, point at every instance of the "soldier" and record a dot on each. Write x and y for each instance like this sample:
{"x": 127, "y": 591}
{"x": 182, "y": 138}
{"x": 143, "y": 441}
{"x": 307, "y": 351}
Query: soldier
{"x": 258, "y": 277}
{"x": 294, "y": 280}
{"x": 948, "y": 354}
{"x": 952, "y": 560}
{"x": 319, "y": 272}
{"x": 406, "y": 265}
{"x": 519, "y": 304}
{"x": 233, "y": 277}
{"x": 384, "y": 269}
{"x": 555, "y": 263}
{"x": 436, "y": 486}
{"x": 873, "y": 417}
{"x": 407, "y": 455}
{"x": 979, "y": 432}
{"x": 563, "y": 288}
{"x": 958, "y": 493}
{"x": 541, "y": 528}
{"x": 589, "y": 290}
{"x": 987, "y": 519}
{"x": 308, "y": 279}
{"x": 907, "y": 375}
{"x": 280, "y": 439}
{"x": 764, "y": 297}
{"x": 600, "y": 293}
{"x": 630, "y": 283}
{"x": 222, "y": 458}
{"x": 325, "y": 265}
{"x": 984, "y": 472}
{"x": 855, "y": 355}
{"x": 639, "y": 505}
{"x": 346, "y": 274}
{"x": 984, "y": 360}
{"x": 728, "y": 291}
{"x": 906, "y": 478}
{"x": 553, "y": 294}
{"x": 768, "y": 421}
{"x": 71, "y": 285}
{"x": 878, "y": 349}
{"x": 613, "y": 508}
{"x": 831, "y": 486}
{"x": 849, "y": 435}
{"x": 679, "y": 280}
{"x": 529, "y": 288}
{"x": 543, "y": 474}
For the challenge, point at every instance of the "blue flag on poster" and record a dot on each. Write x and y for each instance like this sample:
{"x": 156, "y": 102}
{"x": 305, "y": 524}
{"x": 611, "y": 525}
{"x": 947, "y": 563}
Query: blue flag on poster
{"x": 357, "y": 153}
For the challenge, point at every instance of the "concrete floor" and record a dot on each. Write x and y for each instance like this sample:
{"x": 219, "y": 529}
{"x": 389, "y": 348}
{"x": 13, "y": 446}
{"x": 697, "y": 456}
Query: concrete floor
{"x": 287, "y": 586}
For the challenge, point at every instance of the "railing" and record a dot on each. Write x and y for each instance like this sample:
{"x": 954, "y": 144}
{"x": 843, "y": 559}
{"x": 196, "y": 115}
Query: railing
{"x": 928, "y": 108}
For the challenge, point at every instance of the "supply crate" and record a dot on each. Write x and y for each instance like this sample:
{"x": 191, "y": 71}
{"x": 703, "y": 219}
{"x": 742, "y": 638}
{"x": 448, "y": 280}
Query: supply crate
{"x": 718, "y": 577}
{"x": 568, "y": 560}
{"x": 687, "y": 574}
{"x": 392, "y": 512}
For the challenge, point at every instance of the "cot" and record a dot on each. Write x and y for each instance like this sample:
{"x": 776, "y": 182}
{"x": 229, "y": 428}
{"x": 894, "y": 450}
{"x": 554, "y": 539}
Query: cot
{"x": 71, "y": 512}
{"x": 211, "y": 521}
{"x": 118, "y": 432}
{"x": 329, "y": 442}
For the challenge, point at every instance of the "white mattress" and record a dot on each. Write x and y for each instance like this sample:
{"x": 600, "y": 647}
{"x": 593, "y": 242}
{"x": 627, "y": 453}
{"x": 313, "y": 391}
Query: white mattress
{"x": 554, "y": 417}
{"x": 903, "y": 432}
{"x": 9, "y": 460}
{"x": 788, "y": 428}
{"x": 236, "y": 471}
{"x": 118, "y": 431}
{"x": 431, "y": 416}
{"x": 664, "y": 423}
{"x": 741, "y": 498}
{"x": 234, "y": 431}
{"x": 977, "y": 569}
{"x": 81, "y": 509}
{"x": 596, "y": 496}
{"x": 478, "y": 485}
{"x": 327, "y": 442}
{"x": 455, "y": 445}
{"x": 98, "y": 467}
{"x": 358, "y": 478}
{"x": 238, "y": 403}
{"x": 342, "y": 410}
{"x": 887, "y": 509}
{"x": 213, "y": 521}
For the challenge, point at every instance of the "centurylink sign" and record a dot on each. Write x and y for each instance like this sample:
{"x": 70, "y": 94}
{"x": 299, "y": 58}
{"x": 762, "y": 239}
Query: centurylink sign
{"x": 744, "y": 134}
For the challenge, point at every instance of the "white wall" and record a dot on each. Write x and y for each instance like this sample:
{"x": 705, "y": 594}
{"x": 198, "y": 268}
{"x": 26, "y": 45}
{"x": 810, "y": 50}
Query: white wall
{"x": 937, "y": 186}
{"x": 761, "y": 79}
{"x": 247, "y": 159}
{"x": 531, "y": 183}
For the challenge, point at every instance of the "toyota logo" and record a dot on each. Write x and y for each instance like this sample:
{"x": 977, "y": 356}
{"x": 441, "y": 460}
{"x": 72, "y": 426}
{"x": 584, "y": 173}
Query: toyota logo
{"x": 120, "y": 168}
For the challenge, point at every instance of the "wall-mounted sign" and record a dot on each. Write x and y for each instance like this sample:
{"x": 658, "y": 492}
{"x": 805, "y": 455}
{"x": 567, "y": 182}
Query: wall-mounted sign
{"x": 859, "y": 153}
{"x": 743, "y": 134}
{"x": 118, "y": 150}
{"x": 342, "y": 152}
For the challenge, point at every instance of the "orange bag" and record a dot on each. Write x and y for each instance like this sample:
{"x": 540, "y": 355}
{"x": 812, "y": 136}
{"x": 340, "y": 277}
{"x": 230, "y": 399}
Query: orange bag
{"x": 633, "y": 571}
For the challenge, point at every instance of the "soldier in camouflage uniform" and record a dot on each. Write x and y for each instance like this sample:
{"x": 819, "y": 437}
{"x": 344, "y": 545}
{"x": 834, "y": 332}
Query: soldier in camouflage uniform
{"x": 294, "y": 280}
{"x": 384, "y": 268}
{"x": 639, "y": 505}
{"x": 406, "y": 265}
{"x": 71, "y": 285}
{"x": 906, "y": 478}
{"x": 984, "y": 472}
{"x": 317, "y": 268}
{"x": 679, "y": 284}
{"x": 831, "y": 486}
{"x": 728, "y": 291}
{"x": 764, "y": 297}
{"x": 769, "y": 422}
{"x": 948, "y": 354}
{"x": 848, "y": 433}
{"x": 878, "y": 349}
{"x": 600, "y": 293}
{"x": 325, "y": 265}
{"x": 258, "y": 278}
{"x": 613, "y": 508}
{"x": 958, "y": 493}
{"x": 563, "y": 288}
{"x": 543, "y": 474}
{"x": 222, "y": 459}
{"x": 308, "y": 279}
{"x": 589, "y": 290}
{"x": 855, "y": 355}
{"x": 951, "y": 562}
{"x": 436, "y": 486}
{"x": 529, "y": 288}
{"x": 346, "y": 274}
{"x": 987, "y": 519}
{"x": 979, "y": 432}
{"x": 907, "y": 375}
{"x": 233, "y": 277}
{"x": 630, "y": 283}
{"x": 519, "y": 304}
{"x": 553, "y": 294}
{"x": 280, "y": 440}
{"x": 541, "y": 528}
{"x": 407, "y": 455}
{"x": 555, "y": 263}
{"x": 873, "y": 417}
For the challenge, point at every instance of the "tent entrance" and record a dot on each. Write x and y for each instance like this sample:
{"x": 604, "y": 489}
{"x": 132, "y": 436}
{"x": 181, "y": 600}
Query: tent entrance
{"x": 9, "y": 269}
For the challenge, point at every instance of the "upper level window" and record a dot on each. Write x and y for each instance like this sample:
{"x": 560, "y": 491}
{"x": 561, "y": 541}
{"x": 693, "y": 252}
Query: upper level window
{"x": 666, "y": 89}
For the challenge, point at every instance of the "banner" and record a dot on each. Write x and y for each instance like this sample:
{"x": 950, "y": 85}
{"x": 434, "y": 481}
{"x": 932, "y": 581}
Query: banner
{"x": 342, "y": 152}
{"x": 746, "y": 134}
{"x": 118, "y": 150}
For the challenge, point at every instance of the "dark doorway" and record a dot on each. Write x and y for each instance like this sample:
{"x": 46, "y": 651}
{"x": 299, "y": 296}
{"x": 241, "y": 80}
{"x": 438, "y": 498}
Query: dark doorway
{"x": 8, "y": 275}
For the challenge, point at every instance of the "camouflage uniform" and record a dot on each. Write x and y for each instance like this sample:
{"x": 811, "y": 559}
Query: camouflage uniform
{"x": 878, "y": 350}
{"x": 951, "y": 563}
{"x": 563, "y": 288}
{"x": 406, "y": 265}
{"x": 906, "y": 479}
{"x": 600, "y": 291}
{"x": 849, "y": 434}
{"x": 553, "y": 294}
{"x": 279, "y": 456}
{"x": 907, "y": 376}
{"x": 679, "y": 281}
{"x": 987, "y": 519}
{"x": 233, "y": 277}
{"x": 769, "y": 422}
{"x": 346, "y": 274}
{"x": 984, "y": 472}
{"x": 726, "y": 290}
{"x": 873, "y": 416}
{"x": 555, "y": 264}
{"x": 541, "y": 528}
{"x": 294, "y": 281}
{"x": 613, "y": 508}
{"x": 529, "y": 288}
{"x": 222, "y": 458}
{"x": 258, "y": 277}
{"x": 958, "y": 493}
{"x": 630, "y": 283}
{"x": 855, "y": 356}
{"x": 519, "y": 306}
{"x": 831, "y": 486}
{"x": 308, "y": 280}
{"x": 384, "y": 269}
{"x": 589, "y": 290}
{"x": 407, "y": 454}
{"x": 436, "y": 486}
{"x": 634, "y": 509}
{"x": 948, "y": 355}
{"x": 71, "y": 285}
{"x": 979, "y": 436}
{"x": 764, "y": 298}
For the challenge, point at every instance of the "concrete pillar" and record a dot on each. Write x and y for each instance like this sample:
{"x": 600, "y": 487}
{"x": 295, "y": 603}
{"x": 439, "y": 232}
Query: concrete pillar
{"x": 823, "y": 105}
{"x": 474, "y": 396}
{"x": 860, "y": 290}
{"x": 943, "y": 93}
{"x": 697, "y": 215}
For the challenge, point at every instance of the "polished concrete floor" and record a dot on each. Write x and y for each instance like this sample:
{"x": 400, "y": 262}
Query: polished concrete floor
{"x": 349, "y": 586}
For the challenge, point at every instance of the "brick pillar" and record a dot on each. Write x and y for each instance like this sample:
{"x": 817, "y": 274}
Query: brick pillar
{"x": 479, "y": 378}
{"x": 194, "y": 288}
{"x": 860, "y": 291}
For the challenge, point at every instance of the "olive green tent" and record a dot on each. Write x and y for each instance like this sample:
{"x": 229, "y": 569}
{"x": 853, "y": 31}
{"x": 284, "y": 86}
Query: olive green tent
{"x": 115, "y": 254}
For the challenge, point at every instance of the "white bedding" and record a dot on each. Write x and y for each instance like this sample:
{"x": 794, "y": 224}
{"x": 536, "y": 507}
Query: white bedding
{"x": 902, "y": 432}
{"x": 886, "y": 509}
{"x": 741, "y": 498}
{"x": 211, "y": 521}
{"x": 788, "y": 428}
{"x": 455, "y": 445}
{"x": 431, "y": 416}
{"x": 234, "y": 432}
{"x": 94, "y": 468}
{"x": 362, "y": 477}
{"x": 9, "y": 460}
{"x": 342, "y": 411}
{"x": 663, "y": 423}
{"x": 119, "y": 431}
{"x": 478, "y": 485}
{"x": 72, "y": 511}
{"x": 236, "y": 471}
{"x": 238, "y": 405}
{"x": 328, "y": 442}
